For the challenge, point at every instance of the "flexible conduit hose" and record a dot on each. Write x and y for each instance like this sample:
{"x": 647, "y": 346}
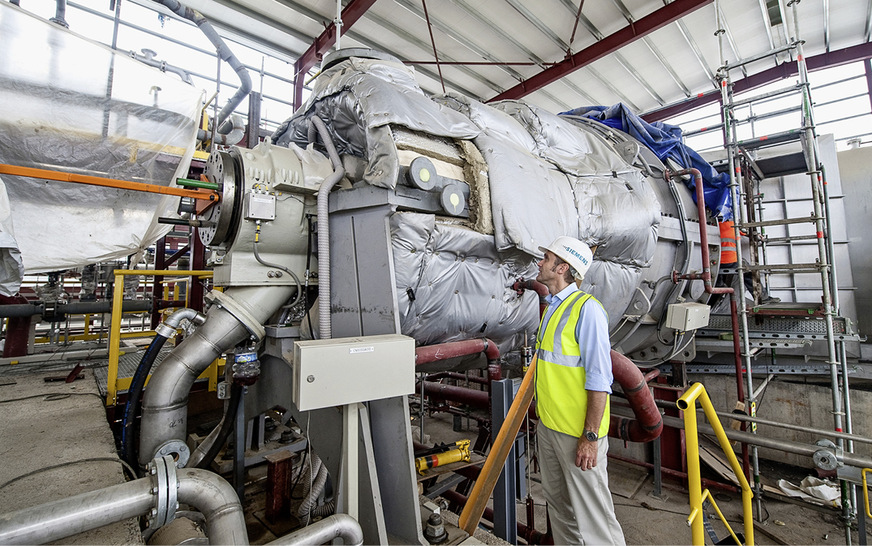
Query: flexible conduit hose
{"x": 315, "y": 487}
{"x": 210, "y": 494}
{"x": 224, "y": 54}
{"x": 325, "y": 325}
{"x": 134, "y": 392}
{"x": 205, "y": 453}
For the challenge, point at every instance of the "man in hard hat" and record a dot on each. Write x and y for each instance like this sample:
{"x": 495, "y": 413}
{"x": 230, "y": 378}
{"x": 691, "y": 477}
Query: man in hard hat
{"x": 573, "y": 383}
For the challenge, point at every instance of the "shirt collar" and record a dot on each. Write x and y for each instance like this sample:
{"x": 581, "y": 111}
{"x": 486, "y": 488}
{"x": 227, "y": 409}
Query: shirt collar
{"x": 562, "y": 295}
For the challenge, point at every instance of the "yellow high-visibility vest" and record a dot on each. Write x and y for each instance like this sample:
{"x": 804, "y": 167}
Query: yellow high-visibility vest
{"x": 561, "y": 399}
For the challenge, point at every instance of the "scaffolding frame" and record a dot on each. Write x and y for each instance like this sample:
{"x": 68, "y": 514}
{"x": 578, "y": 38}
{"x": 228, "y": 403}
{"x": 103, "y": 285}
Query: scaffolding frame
{"x": 747, "y": 212}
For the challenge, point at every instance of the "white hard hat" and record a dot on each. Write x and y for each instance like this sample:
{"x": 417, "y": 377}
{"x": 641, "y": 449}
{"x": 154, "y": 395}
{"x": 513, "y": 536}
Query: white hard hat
{"x": 574, "y": 252}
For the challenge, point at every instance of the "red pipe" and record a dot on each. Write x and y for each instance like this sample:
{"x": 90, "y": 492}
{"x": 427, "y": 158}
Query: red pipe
{"x": 464, "y": 395}
{"x": 444, "y": 351}
{"x": 521, "y": 285}
{"x": 707, "y": 280}
{"x": 530, "y": 535}
{"x": 645, "y": 427}
{"x": 676, "y": 473}
{"x": 458, "y": 376}
{"x": 648, "y": 422}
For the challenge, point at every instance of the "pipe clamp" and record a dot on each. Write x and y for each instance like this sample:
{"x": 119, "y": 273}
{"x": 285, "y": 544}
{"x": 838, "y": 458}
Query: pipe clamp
{"x": 166, "y": 487}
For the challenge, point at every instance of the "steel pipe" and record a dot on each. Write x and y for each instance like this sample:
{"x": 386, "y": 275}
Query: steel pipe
{"x": 206, "y": 491}
{"x": 66, "y": 517}
{"x": 165, "y": 404}
{"x": 340, "y": 526}
{"x": 77, "y": 308}
{"x": 216, "y": 499}
{"x": 786, "y": 446}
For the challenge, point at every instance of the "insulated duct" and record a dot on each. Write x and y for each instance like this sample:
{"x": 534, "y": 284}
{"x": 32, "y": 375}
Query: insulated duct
{"x": 469, "y": 192}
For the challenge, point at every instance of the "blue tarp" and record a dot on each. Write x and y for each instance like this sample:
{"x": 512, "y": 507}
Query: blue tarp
{"x": 665, "y": 141}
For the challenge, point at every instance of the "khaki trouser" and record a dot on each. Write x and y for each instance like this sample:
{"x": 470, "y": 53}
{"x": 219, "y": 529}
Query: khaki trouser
{"x": 579, "y": 502}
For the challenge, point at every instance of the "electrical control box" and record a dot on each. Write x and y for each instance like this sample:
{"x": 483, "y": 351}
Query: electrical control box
{"x": 259, "y": 206}
{"x": 687, "y": 316}
{"x": 340, "y": 371}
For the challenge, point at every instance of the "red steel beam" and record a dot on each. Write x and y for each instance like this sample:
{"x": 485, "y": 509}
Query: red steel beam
{"x": 353, "y": 11}
{"x": 627, "y": 35}
{"x": 780, "y": 72}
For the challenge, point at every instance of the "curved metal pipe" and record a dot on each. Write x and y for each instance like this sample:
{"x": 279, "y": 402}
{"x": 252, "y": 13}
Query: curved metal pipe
{"x": 646, "y": 426}
{"x": 325, "y": 324}
{"x": 216, "y": 499}
{"x": 224, "y": 54}
{"x": 648, "y": 423}
{"x": 340, "y": 526}
{"x": 208, "y": 492}
{"x": 148, "y": 57}
{"x": 165, "y": 404}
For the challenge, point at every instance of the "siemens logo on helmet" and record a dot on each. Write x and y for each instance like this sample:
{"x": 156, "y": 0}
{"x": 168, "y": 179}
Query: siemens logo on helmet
{"x": 576, "y": 254}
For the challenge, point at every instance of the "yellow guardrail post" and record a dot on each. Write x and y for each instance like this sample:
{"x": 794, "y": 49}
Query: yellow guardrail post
{"x": 687, "y": 403}
{"x": 112, "y": 384}
{"x": 866, "y": 492}
{"x": 115, "y": 339}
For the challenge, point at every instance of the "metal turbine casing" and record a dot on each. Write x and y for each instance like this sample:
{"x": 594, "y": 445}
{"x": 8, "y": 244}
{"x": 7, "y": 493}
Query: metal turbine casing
{"x": 265, "y": 172}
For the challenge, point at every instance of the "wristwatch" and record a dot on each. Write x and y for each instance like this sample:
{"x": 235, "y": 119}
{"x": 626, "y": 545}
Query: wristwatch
{"x": 590, "y": 436}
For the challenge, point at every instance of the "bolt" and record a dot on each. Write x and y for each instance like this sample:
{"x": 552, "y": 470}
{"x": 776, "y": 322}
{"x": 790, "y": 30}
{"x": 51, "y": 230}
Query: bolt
{"x": 311, "y": 379}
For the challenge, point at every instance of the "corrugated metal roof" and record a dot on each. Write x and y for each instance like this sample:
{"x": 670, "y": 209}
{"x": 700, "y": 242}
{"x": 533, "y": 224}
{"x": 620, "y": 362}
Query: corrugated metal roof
{"x": 491, "y": 48}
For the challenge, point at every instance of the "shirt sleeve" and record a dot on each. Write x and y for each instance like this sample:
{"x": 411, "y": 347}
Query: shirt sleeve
{"x": 593, "y": 340}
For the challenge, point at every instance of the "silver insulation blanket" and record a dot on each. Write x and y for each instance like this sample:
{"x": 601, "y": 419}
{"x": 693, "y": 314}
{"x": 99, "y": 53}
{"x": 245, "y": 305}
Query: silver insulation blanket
{"x": 547, "y": 176}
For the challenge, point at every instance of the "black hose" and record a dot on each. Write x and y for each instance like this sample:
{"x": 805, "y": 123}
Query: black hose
{"x": 226, "y": 426}
{"x": 134, "y": 392}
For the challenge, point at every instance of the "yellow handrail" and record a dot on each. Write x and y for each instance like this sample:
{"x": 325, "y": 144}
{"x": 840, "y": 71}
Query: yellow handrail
{"x": 112, "y": 383}
{"x": 687, "y": 403}
{"x": 866, "y": 492}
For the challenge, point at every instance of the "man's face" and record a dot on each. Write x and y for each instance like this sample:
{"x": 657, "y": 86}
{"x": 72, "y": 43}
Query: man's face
{"x": 549, "y": 270}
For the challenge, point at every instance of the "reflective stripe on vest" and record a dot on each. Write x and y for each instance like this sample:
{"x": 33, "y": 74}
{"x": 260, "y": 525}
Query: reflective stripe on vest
{"x": 561, "y": 399}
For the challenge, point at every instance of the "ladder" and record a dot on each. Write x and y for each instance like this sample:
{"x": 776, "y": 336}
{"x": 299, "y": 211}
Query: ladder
{"x": 747, "y": 208}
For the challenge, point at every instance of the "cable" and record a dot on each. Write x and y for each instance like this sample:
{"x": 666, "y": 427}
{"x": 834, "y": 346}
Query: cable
{"x": 226, "y": 426}
{"x": 277, "y": 266}
{"x": 70, "y": 463}
{"x": 134, "y": 392}
{"x": 52, "y": 397}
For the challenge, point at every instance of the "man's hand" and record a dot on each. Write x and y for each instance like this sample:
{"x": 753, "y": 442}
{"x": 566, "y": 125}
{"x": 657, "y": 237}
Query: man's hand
{"x": 585, "y": 454}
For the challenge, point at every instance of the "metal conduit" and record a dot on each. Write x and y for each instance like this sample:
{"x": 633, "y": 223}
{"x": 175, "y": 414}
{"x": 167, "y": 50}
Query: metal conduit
{"x": 786, "y": 446}
{"x": 77, "y": 308}
{"x": 210, "y": 494}
{"x": 325, "y": 323}
{"x": 340, "y": 526}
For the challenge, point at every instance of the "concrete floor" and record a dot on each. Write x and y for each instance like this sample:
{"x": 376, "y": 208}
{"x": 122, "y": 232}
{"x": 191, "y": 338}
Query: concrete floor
{"x": 56, "y": 443}
{"x": 647, "y": 519}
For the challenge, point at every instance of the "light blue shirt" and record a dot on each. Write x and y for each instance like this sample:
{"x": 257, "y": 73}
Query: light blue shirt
{"x": 592, "y": 333}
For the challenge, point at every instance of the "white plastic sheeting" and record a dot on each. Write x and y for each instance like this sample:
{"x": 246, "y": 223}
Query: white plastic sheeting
{"x": 547, "y": 176}
{"x": 72, "y": 105}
